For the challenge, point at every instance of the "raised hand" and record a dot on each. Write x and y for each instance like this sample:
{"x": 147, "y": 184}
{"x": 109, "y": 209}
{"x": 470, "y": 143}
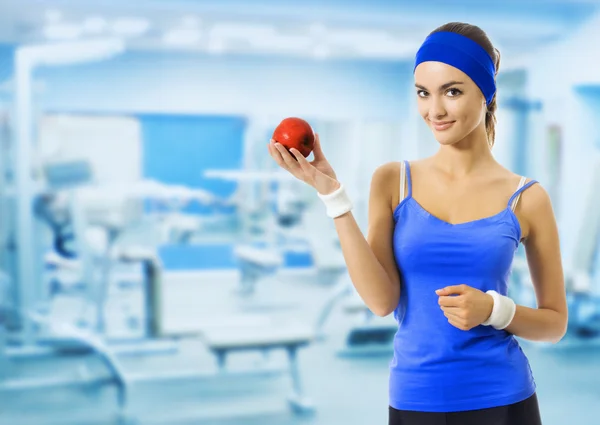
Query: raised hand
{"x": 317, "y": 173}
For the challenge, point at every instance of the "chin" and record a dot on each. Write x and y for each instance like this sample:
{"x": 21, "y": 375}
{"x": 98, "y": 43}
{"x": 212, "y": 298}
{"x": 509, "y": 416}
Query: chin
{"x": 445, "y": 139}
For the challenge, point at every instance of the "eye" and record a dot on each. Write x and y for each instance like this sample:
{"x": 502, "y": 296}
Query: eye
{"x": 455, "y": 91}
{"x": 421, "y": 93}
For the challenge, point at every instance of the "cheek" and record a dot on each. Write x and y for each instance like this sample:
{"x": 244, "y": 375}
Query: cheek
{"x": 464, "y": 112}
{"x": 423, "y": 109}
{"x": 458, "y": 109}
{"x": 476, "y": 117}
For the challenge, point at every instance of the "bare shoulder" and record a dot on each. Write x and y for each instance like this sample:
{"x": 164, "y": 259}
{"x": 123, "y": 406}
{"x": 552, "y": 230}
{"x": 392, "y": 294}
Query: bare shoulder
{"x": 385, "y": 182}
{"x": 535, "y": 209}
{"x": 534, "y": 200}
{"x": 387, "y": 170}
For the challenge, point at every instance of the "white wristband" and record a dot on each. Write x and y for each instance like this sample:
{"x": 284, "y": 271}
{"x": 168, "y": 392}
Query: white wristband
{"x": 503, "y": 311}
{"x": 336, "y": 202}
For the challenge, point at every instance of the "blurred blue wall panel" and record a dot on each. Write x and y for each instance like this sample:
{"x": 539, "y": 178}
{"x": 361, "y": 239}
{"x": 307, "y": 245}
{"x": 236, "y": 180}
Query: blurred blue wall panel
{"x": 7, "y": 65}
{"x": 178, "y": 149}
{"x": 6, "y": 61}
{"x": 298, "y": 259}
{"x": 211, "y": 256}
{"x": 197, "y": 257}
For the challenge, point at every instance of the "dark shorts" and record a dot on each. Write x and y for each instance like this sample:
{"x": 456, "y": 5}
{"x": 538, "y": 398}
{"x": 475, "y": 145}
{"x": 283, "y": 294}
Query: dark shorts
{"x": 525, "y": 412}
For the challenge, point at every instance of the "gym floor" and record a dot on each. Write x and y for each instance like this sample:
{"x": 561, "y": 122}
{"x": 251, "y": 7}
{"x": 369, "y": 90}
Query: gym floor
{"x": 350, "y": 391}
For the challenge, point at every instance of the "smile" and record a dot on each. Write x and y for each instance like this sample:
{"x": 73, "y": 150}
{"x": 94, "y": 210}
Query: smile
{"x": 442, "y": 126}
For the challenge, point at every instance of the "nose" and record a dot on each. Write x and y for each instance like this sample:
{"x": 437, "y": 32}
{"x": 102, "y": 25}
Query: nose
{"x": 436, "y": 108}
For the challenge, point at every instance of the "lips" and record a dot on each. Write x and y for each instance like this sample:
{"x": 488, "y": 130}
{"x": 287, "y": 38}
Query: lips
{"x": 442, "y": 125}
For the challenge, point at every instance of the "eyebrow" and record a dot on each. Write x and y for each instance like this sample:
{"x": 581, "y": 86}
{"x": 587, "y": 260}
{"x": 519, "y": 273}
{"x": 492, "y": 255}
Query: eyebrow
{"x": 443, "y": 86}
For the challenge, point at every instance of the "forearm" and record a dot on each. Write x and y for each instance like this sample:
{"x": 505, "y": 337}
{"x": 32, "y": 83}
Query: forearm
{"x": 538, "y": 324}
{"x": 369, "y": 277}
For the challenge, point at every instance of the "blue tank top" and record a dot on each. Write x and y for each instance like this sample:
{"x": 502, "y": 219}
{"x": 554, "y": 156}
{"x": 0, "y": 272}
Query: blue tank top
{"x": 437, "y": 367}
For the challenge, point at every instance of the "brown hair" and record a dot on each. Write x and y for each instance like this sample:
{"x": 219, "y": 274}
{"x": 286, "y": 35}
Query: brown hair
{"x": 480, "y": 37}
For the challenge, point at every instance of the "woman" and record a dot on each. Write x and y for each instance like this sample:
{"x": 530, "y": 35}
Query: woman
{"x": 442, "y": 235}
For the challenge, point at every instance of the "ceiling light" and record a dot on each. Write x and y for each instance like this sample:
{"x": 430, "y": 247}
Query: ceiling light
{"x": 94, "y": 25}
{"x": 281, "y": 42}
{"x": 182, "y": 37}
{"x": 62, "y": 31}
{"x": 72, "y": 52}
{"x": 130, "y": 26}
{"x": 359, "y": 36}
{"x": 242, "y": 31}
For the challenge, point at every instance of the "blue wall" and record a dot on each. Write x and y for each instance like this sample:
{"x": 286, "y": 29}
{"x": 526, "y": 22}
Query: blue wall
{"x": 177, "y": 150}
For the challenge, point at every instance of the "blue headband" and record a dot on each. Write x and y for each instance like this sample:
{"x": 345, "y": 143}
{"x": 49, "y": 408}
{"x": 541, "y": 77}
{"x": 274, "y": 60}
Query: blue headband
{"x": 463, "y": 53}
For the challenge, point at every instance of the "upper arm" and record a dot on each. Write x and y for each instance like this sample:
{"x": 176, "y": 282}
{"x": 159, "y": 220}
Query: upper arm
{"x": 381, "y": 222}
{"x": 542, "y": 248}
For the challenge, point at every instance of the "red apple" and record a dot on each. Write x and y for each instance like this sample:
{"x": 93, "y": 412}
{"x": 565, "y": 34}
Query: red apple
{"x": 295, "y": 133}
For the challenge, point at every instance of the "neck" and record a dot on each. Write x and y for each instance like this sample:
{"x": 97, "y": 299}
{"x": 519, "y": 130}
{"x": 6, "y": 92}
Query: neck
{"x": 467, "y": 156}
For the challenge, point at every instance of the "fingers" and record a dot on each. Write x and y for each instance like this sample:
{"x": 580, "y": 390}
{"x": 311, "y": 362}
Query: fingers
{"x": 276, "y": 154}
{"x": 459, "y": 324}
{"x": 453, "y": 313}
{"x": 293, "y": 161}
{"x": 302, "y": 161}
{"x": 456, "y": 318}
{"x": 317, "y": 151}
{"x": 283, "y": 158}
{"x": 450, "y": 301}
{"x": 455, "y": 289}
{"x": 289, "y": 161}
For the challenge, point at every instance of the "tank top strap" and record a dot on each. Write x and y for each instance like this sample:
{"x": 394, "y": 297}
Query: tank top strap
{"x": 514, "y": 199}
{"x": 408, "y": 178}
{"x": 404, "y": 176}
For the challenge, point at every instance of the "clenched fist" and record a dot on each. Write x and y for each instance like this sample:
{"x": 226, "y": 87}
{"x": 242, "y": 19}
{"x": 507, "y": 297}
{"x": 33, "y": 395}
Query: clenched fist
{"x": 464, "y": 306}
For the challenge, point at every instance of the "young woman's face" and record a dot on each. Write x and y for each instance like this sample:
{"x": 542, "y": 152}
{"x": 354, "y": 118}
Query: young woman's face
{"x": 449, "y": 101}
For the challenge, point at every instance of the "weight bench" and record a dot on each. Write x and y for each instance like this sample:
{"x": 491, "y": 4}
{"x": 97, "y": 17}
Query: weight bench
{"x": 290, "y": 337}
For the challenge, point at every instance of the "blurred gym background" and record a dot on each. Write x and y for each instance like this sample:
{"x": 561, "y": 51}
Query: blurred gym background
{"x": 156, "y": 267}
